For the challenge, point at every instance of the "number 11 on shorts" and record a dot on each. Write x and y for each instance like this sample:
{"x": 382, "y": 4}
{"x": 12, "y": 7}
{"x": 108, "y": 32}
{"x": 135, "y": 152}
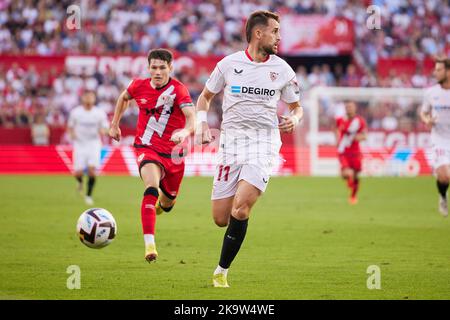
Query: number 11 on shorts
{"x": 223, "y": 169}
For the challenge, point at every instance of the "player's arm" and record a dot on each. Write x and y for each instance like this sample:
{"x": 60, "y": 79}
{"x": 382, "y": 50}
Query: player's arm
{"x": 122, "y": 104}
{"x": 203, "y": 134}
{"x": 425, "y": 113}
{"x": 426, "y": 118}
{"x": 290, "y": 122}
{"x": 361, "y": 136}
{"x": 189, "y": 114}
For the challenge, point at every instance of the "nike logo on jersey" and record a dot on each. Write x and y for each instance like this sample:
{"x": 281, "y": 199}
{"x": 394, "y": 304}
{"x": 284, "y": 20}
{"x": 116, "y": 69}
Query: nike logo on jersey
{"x": 265, "y": 180}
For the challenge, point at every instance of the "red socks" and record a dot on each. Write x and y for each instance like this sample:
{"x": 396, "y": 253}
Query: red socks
{"x": 353, "y": 185}
{"x": 350, "y": 183}
{"x": 148, "y": 213}
{"x": 354, "y": 188}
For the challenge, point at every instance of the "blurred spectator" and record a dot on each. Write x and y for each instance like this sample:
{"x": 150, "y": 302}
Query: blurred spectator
{"x": 351, "y": 78}
{"x": 389, "y": 122}
{"x": 419, "y": 80}
{"x": 302, "y": 78}
{"x": 409, "y": 29}
{"x": 314, "y": 78}
{"x": 326, "y": 76}
{"x": 40, "y": 132}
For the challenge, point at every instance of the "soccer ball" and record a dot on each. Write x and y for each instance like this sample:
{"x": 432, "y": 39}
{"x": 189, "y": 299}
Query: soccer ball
{"x": 96, "y": 228}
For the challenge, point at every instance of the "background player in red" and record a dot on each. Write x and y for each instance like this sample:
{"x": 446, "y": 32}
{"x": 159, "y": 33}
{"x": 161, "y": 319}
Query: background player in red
{"x": 350, "y": 130}
{"x": 166, "y": 118}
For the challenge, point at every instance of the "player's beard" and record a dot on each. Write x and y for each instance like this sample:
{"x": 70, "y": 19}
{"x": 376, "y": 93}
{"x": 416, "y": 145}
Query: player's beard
{"x": 268, "y": 49}
{"x": 442, "y": 81}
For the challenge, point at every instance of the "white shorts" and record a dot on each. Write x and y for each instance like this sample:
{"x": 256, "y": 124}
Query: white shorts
{"x": 86, "y": 155}
{"x": 248, "y": 155}
{"x": 441, "y": 155}
{"x": 227, "y": 177}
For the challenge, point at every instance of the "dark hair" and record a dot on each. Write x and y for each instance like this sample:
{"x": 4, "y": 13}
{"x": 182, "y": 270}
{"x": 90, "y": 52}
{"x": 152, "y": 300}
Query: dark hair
{"x": 160, "y": 54}
{"x": 445, "y": 61}
{"x": 260, "y": 17}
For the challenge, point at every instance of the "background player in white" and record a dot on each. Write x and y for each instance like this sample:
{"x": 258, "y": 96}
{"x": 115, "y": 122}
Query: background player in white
{"x": 85, "y": 126}
{"x": 435, "y": 114}
{"x": 253, "y": 81}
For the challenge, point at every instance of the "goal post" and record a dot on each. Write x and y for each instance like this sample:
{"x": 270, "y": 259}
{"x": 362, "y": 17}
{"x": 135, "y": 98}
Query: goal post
{"x": 387, "y": 110}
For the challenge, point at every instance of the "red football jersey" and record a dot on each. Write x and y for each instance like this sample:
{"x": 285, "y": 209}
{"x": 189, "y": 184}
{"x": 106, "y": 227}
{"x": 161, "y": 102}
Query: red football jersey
{"x": 347, "y": 130}
{"x": 159, "y": 112}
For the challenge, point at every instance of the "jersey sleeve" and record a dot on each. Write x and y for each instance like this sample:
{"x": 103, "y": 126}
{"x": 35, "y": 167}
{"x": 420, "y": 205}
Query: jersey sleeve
{"x": 290, "y": 93}
{"x": 132, "y": 88}
{"x": 183, "y": 98}
{"x": 216, "y": 81}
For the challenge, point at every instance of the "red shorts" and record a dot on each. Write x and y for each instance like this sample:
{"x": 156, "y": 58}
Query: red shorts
{"x": 172, "y": 171}
{"x": 352, "y": 161}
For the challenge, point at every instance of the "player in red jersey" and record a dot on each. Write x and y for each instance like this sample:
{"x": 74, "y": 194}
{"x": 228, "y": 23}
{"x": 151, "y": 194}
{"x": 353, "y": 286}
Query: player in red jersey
{"x": 166, "y": 118}
{"x": 350, "y": 130}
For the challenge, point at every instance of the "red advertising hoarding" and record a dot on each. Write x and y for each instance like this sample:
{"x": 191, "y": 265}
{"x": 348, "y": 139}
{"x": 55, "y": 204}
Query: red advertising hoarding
{"x": 385, "y": 153}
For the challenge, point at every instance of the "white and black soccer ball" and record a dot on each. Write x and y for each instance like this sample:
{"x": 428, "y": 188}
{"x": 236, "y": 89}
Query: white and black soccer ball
{"x": 96, "y": 228}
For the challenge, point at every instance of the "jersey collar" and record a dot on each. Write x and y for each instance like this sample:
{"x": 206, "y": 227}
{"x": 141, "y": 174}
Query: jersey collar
{"x": 251, "y": 59}
{"x": 160, "y": 88}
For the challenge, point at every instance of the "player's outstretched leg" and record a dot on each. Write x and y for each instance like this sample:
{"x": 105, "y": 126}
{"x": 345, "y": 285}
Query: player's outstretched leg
{"x": 148, "y": 218}
{"x": 79, "y": 177}
{"x": 90, "y": 186}
{"x": 354, "y": 189}
{"x": 221, "y": 211}
{"x": 352, "y": 184}
{"x": 164, "y": 204}
{"x": 443, "y": 177}
{"x": 150, "y": 174}
{"x": 245, "y": 198}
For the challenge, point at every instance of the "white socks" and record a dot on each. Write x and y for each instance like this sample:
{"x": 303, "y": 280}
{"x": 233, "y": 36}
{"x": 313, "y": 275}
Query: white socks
{"x": 219, "y": 269}
{"x": 149, "y": 239}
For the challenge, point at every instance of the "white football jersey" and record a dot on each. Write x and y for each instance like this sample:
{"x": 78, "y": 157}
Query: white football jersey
{"x": 437, "y": 102}
{"x": 252, "y": 90}
{"x": 87, "y": 124}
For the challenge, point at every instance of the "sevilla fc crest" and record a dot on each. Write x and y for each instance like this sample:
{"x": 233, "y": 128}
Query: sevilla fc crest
{"x": 273, "y": 76}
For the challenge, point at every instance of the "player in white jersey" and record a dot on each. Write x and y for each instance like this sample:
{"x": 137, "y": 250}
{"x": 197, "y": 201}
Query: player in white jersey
{"x": 435, "y": 114}
{"x": 86, "y": 125}
{"x": 253, "y": 82}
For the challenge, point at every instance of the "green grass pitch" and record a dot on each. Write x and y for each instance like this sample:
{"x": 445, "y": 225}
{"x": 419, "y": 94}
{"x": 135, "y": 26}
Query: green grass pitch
{"x": 304, "y": 242}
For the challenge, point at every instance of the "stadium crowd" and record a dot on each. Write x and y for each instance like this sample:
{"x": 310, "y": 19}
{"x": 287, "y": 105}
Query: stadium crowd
{"x": 411, "y": 28}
